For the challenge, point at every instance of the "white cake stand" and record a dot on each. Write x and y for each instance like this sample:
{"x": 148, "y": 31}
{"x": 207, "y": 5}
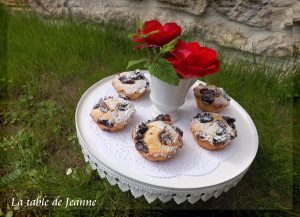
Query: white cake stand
{"x": 180, "y": 187}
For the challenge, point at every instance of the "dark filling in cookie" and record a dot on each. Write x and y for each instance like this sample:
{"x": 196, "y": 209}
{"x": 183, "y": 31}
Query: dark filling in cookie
{"x": 207, "y": 95}
{"x": 207, "y": 98}
{"x": 106, "y": 123}
{"x": 222, "y": 128}
{"x": 139, "y": 136}
{"x": 163, "y": 117}
{"x": 140, "y": 146}
{"x": 103, "y": 107}
{"x": 129, "y": 79}
{"x": 100, "y": 101}
{"x": 165, "y": 138}
{"x": 126, "y": 80}
{"x": 218, "y": 140}
{"x": 230, "y": 121}
{"x": 122, "y": 106}
{"x": 201, "y": 135}
{"x": 226, "y": 96}
{"x": 123, "y": 97}
{"x": 137, "y": 75}
{"x": 232, "y": 136}
{"x": 140, "y": 131}
{"x": 206, "y": 91}
{"x": 142, "y": 128}
{"x": 147, "y": 84}
{"x": 96, "y": 106}
{"x": 178, "y": 131}
{"x": 204, "y": 117}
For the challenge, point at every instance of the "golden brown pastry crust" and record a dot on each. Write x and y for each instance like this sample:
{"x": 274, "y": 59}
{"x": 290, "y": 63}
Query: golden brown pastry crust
{"x": 136, "y": 86}
{"x": 121, "y": 92}
{"x": 216, "y": 102}
{"x": 207, "y": 142}
{"x": 160, "y": 140}
{"x": 109, "y": 116}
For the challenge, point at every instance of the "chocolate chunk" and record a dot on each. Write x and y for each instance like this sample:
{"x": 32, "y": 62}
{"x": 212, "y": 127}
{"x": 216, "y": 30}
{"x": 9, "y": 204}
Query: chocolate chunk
{"x": 122, "y": 106}
{"x": 163, "y": 117}
{"x": 207, "y": 98}
{"x": 230, "y": 121}
{"x": 216, "y": 94}
{"x": 165, "y": 138}
{"x": 103, "y": 107}
{"x": 139, "y": 136}
{"x": 222, "y": 128}
{"x": 221, "y": 131}
{"x": 140, "y": 146}
{"x": 100, "y": 101}
{"x": 125, "y": 80}
{"x": 201, "y": 135}
{"x": 221, "y": 124}
{"x": 226, "y": 96}
{"x": 106, "y": 123}
{"x": 204, "y": 117}
{"x": 142, "y": 128}
{"x": 137, "y": 75}
{"x": 123, "y": 97}
{"x": 205, "y": 91}
{"x": 217, "y": 140}
{"x": 96, "y": 106}
{"x": 178, "y": 131}
{"x": 232, "y": 136}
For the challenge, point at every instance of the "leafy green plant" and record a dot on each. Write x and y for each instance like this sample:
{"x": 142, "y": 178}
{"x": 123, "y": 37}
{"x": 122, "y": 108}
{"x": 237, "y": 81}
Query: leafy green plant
{"x": 157, "y": 65}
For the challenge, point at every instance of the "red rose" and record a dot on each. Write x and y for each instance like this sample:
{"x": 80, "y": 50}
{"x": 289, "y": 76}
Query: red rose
{"x": 192, "y": 61}
{"x": 164, "y": 34}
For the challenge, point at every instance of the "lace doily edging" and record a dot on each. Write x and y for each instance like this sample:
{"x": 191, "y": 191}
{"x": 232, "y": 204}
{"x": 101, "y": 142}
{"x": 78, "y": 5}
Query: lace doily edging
{"x": 152, "y": 193}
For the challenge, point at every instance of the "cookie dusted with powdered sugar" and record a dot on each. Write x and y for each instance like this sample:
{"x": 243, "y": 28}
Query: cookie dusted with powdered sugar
{"x": 131, "y": 85}
{"x": 112, "y": 113}
{"x": 157, "y": 139}
{"x": 210, "y": 98}
{"x": 213, "y": 131}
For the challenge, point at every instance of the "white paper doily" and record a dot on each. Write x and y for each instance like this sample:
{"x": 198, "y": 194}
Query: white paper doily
{"x": 115, "y": 158}
{"x": 191, "y": 160}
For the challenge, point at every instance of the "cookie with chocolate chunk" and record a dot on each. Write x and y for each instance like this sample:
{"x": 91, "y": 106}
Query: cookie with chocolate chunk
{"x": 157, "y": 139}
{"x": 132, "y": 84}
{"x": 210, "y": 98}
{"x": 213, "y": 131}
{"x": 112, "y": 113}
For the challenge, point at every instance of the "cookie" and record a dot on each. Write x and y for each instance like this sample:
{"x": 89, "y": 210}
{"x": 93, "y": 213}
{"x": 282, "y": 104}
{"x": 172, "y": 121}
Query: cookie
{"x": 112, "y": 113}
{"x": 132, "y": 84}
{"x": 157, "y": 139}
{"x": 210, "y": 98}
{"x": 213, "y": 131}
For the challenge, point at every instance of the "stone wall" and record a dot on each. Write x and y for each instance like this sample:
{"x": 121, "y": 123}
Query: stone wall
{"x": 268, "y": 27}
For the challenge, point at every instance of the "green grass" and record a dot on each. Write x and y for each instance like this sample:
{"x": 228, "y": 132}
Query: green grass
{"x": 51, "y": 62}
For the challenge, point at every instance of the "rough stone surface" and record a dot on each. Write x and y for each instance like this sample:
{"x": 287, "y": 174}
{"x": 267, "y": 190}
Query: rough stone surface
{"x": 268, "y": 27}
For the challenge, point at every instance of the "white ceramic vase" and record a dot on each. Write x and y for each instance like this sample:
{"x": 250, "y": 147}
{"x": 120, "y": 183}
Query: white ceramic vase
{"x": 166, "y": 98}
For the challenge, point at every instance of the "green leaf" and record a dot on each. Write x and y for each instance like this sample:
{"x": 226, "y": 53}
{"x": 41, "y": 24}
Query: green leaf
{"x": 170, "y": 46}
{"x": 164, "y": 71}
{"x": 135, "y": 62}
